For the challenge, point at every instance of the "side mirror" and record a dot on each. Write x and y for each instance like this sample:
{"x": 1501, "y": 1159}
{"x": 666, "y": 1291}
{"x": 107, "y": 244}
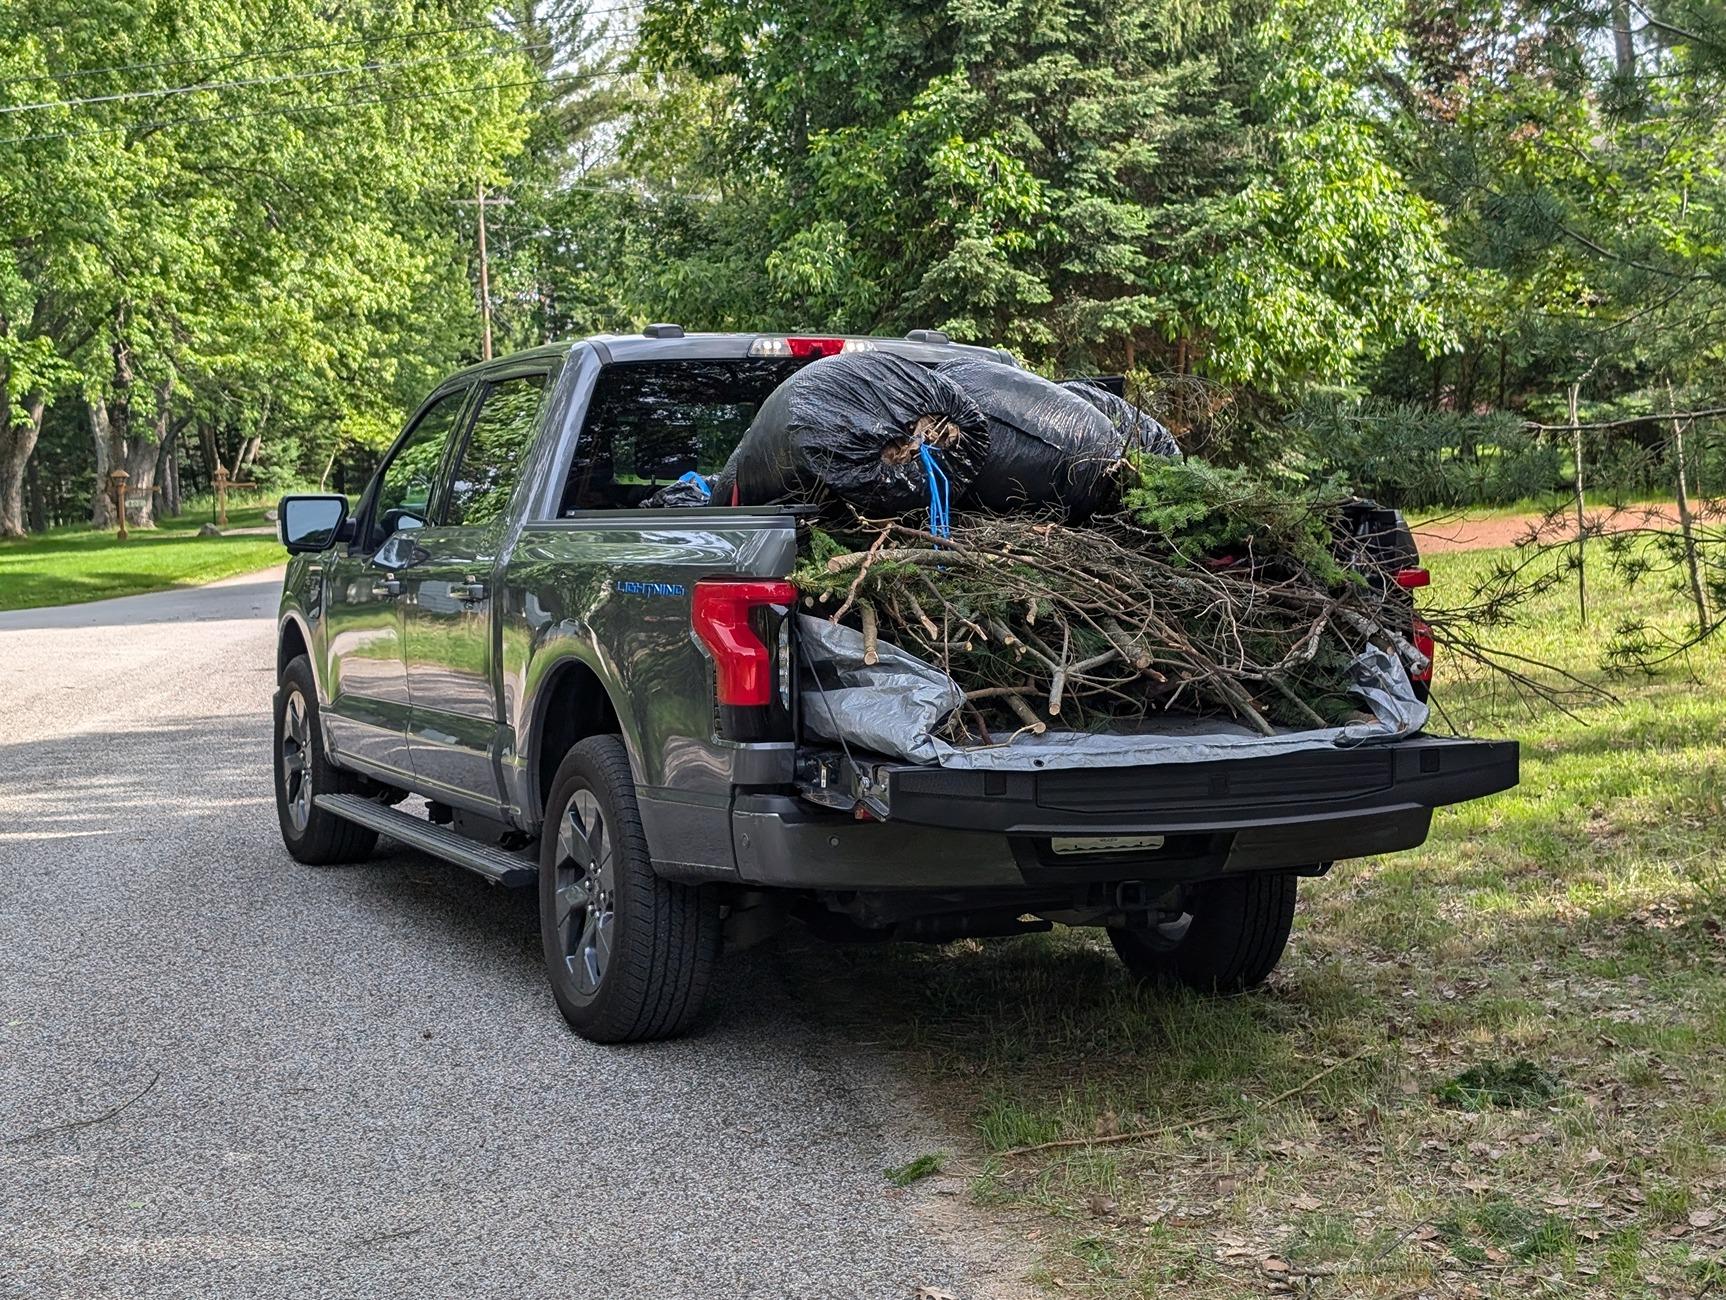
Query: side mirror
{"x": 314, "y": 523}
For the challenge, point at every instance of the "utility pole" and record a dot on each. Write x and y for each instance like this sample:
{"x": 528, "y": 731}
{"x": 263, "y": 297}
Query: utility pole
{"x": 480, "y": 200}
{"x": 484, "y": 272}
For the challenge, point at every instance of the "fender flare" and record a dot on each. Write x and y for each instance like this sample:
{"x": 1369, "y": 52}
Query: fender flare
{"x": 293, "y": 615}
{"x": 563, "y": 652}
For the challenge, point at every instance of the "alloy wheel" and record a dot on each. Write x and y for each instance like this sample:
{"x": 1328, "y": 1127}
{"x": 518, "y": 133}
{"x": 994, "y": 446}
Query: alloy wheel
{"x": 586, "y": 901}
{"x": 297, "y": 760}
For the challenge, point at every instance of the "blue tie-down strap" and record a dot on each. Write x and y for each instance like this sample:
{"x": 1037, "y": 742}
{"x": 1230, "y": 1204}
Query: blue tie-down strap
{"x": 939, "y": 491}
{"x": 701, "y": 484}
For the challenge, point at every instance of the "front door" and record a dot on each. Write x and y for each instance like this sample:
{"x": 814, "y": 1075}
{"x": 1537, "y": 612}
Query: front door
{"x": 448, "y": 598}
{"x": 366, "y": 679}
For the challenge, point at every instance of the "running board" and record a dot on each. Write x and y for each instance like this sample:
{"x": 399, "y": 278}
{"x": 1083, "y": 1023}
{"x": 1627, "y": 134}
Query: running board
{"x": 497, "y": 865}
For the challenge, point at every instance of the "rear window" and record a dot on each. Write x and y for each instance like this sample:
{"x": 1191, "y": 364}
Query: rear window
{"x": 650, "y": 422}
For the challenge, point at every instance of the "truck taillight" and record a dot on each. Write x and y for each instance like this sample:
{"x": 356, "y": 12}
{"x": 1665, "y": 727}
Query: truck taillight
{"x": 1424, "y": 643}
{"x": 738, "y": 620}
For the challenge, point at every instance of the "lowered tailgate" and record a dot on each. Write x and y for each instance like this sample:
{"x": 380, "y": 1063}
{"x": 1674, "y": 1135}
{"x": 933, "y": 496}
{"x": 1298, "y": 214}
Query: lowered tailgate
{"x": 1306, "y": 788}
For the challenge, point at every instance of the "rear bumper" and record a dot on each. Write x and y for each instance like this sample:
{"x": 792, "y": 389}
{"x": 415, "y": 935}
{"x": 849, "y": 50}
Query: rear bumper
{"x": 948, "y": 829}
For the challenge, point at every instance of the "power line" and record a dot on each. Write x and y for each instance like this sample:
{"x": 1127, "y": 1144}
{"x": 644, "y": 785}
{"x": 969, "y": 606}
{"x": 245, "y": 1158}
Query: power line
{"x": 35, "y": 138}
{"x": 244, "y": 56}
{"x": 209, "y": 86}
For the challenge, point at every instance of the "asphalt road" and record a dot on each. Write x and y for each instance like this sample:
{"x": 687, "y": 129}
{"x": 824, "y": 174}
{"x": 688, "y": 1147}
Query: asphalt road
{"x": 226, "y": 1074}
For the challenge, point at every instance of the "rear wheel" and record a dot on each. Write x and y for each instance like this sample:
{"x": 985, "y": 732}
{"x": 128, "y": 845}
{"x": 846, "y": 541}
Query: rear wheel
{"x": 630, "y": 955}
{"x": 1230, "y": 937}
{"x": 311, "y": 834}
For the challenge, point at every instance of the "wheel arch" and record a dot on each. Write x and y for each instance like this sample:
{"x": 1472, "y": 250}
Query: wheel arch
{"x": 293, "y": 638}
{"x": 571, "y": 702}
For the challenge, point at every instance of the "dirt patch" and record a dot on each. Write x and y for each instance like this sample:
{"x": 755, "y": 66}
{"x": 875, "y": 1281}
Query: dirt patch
{"x": 1461, "y": 533}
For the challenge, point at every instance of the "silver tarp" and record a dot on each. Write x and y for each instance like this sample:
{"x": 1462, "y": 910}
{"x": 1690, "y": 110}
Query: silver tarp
{"x": 894, "y": 707}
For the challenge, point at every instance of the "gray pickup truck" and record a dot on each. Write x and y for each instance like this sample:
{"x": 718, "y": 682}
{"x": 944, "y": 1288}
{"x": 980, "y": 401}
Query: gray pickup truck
{"x": 601, "y": 697}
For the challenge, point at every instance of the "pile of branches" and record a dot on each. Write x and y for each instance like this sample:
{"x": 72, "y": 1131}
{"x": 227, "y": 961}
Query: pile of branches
{"x": 1043, "y": 622}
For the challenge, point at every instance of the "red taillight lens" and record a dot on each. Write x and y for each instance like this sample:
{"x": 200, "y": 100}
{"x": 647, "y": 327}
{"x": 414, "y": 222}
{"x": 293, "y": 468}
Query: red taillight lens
{"x": 1411, "y": 578}
{"x": 742, "y": 663}
{"x": 812, "y": 347}
{"x": 1424, "y": 643}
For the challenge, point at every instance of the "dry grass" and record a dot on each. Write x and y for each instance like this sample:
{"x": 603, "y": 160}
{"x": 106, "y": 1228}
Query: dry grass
{"x": 1555, "y": 952}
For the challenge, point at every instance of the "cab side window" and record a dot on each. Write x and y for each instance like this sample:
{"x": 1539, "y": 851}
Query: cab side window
{"x": 406, "y": 482}
{"x": 491, "y": 463}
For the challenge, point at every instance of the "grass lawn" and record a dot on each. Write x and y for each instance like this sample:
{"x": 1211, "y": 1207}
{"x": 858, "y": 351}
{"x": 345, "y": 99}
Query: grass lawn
{"x": 66, "y": 565}
{"x": 1523, "y": 1024}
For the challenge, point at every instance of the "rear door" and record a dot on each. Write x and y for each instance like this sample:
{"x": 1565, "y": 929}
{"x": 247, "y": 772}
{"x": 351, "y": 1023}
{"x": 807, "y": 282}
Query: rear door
{"x": 448, "y": 592}
{"x": 367, "y": 716}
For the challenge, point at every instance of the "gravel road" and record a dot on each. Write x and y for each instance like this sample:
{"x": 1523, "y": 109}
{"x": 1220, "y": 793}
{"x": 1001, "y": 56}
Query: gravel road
{"x": 226, "y": 1074}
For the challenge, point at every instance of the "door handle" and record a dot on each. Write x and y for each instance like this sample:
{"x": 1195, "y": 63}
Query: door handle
{"x": 467, "y": 592}
{"x": 388, "y": 587}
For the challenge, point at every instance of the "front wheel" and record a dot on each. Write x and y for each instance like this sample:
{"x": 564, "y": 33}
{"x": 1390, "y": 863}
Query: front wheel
{"x": 630, "y": 955}
{"x": 302, "y": 772}
{"x": 1230, "y": 937}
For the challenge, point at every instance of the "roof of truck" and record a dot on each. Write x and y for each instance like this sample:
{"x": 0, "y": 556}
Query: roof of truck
{"x": 921, "y": 345}
{"x": 671, "y": 340}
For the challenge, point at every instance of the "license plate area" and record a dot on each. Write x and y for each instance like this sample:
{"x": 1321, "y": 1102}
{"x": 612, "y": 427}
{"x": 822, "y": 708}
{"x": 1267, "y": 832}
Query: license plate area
{"x": 1094, "y": 845}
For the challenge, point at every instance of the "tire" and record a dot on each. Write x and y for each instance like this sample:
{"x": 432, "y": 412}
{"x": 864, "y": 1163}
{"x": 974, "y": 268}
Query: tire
{"x": 1231, "y": 938}
{"x": 630, "y": 956}
{"x": 312, "y": 835}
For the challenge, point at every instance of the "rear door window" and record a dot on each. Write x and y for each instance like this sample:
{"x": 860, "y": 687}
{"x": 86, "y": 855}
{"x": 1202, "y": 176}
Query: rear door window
{"x": 650, "y": 422}
{"x": 496, "y": 449}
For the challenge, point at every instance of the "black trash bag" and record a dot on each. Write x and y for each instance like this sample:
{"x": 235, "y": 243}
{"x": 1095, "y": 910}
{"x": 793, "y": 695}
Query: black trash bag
{"x": 690, "y": 490}
{"x": 852, "y": 427}
{"x": 1047, "y": 446}
{"x": 1143, "y": 432}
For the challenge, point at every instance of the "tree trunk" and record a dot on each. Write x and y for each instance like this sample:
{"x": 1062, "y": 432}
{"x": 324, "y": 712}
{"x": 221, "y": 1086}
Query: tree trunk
{"x": 171, "y": 478}
{"x": 142, "y": 450}
{"x": 1623, "y": 43}
{"x": 17, "y": 442}
{"x": 102, "y": 494}
{"x": 243, "y": 459}
{"x": 248, "y": 448}
{"x": 141, "y": 484}
{"x": 1686, "y": 525}
{"x": 36, "y": 508}
{"x": 1581, "y": 517}
{"x": 211, "y": 457}
{"x": 165, "y": 473}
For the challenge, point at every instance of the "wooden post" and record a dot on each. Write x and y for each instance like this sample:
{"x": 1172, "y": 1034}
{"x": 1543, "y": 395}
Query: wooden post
{"x": 1698, "y": 592}
{"x": 221, "y": 478}
{"x": 118, "y": 479}
{"x": 1581, "y": 518}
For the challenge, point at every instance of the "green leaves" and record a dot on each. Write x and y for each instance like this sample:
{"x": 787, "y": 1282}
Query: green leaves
{"x": 1151, "y": 178}
{"x": 255, "y": 203}
{"x": 1200, "y": 512}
